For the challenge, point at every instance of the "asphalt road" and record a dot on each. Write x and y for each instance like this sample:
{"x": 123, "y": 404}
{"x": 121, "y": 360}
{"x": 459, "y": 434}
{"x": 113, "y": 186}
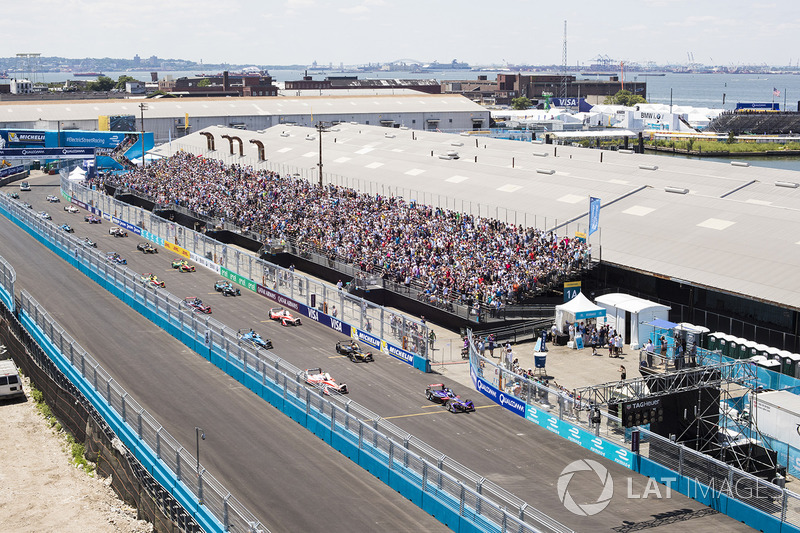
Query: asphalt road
{"x": 283, "y": 474}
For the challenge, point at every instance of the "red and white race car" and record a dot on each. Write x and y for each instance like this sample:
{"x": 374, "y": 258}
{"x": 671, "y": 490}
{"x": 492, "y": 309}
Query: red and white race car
{"x": 323, "y": 380}
{"x": 286, "y": 318}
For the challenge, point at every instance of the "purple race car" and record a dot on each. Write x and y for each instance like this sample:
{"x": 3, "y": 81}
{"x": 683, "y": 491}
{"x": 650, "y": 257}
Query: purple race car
{"x": 437, "y": 392}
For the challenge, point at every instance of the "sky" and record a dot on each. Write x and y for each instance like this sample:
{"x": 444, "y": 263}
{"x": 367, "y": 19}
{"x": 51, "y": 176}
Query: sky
{"x": 278, "y": 32}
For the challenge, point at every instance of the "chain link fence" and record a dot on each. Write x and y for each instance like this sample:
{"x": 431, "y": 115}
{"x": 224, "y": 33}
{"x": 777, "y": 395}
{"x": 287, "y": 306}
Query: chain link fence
{"x": 546, "y": 396}
{"x": 468, "y": 493}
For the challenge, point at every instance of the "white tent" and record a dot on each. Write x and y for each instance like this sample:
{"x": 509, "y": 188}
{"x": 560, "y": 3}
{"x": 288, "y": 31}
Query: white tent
{"x": 77, "y": 174}
{"x": 641, "y": 311}
{"x": 579, "y": 308}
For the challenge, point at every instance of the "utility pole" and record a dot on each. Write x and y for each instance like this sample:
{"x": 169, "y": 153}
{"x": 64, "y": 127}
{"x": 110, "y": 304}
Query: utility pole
{"x": 564, "y": 65}
{"x": 143, "y": 108}
{"x": 320, "y": 129}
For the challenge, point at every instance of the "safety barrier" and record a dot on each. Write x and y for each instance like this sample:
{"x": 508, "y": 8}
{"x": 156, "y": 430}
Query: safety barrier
{"x": 7, "y": 278}
{"x": 451, "y": 492}
{"x": 754, "y": 501}
{"x": 312, "y": 298}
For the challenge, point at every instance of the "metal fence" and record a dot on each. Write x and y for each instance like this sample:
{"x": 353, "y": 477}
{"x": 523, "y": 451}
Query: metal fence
{"x": 7, "y": 278}
{"x": 481, "y": 499}
{"x": 341, "y": 304}
{"x": 546, "y": 395}
{"x": 226, "y": 508}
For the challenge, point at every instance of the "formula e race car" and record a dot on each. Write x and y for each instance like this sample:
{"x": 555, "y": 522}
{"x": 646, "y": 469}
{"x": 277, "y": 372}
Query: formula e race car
{"x": 45, "y": 215}
{"x": 150, "y": 279}
{"x": 197, "y": 304}
{"x": 226, "y": 288}
{"x": 323, "y": 380}
{"x": 26, "y": 204}
{"x": 284, "y": 316}
{"x": 182, "y": 266}
{"x": 69, "y": 208}
{"x": 89, "y": 242}
{"x": 13, "y": 195}
{"x": 67, "y": 228}
{"x": 255, "y": 339}
{"x": 437, "y": 392}
{"x": 147, "y": 248}
{"x": 92, "y": 219}
{"x": 116, "y": 258}
{"x": 353, "y": 352}
{"x": 116, "y": 231}
{"x": 53, "y": 199}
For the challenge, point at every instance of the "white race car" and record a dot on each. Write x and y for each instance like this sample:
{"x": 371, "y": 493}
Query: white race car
{"x": 70, "y": 208}
{"x": 286, "y": 318}
{"x": 53, "y": 199}
{"x": 323, "y": 380}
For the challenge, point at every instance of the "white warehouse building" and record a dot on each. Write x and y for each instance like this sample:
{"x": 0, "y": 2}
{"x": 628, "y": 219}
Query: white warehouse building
{"x": 174, "y": 117}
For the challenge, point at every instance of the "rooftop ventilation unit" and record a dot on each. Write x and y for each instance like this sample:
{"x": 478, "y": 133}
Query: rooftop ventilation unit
{"x": 540, "y": 154}
{"x": 403, "y": 128}
{"x": 740, "y": 164}
{"x": 648, "y": 167}
{"x": 389, "y": 135}
{"x": 284, "y": 134}
{"x": 676, "y": 190}
{"x": 310, "y": 137}
{"x": 625, "y": 151}
{"x": 787, "y": 184}
{"x": 456, "y": 144}
{"x": 548, "y": 171}
{"x": 534, "y": 141}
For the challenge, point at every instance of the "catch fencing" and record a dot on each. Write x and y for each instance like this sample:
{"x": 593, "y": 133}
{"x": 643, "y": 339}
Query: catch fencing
{"x": 7, "y": 278}
{"x": 454, "y": 494}
{"x": 757, "y": 502}
{"x": 248, "y": 270}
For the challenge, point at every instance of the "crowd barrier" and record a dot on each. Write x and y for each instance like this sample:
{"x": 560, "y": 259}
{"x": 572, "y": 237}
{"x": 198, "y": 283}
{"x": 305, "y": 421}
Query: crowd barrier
{"x": 355, "y": 317}
{"x": 454, "y": 494}
{"x": 756, "y": 502}
{"x": 7, "y": 278}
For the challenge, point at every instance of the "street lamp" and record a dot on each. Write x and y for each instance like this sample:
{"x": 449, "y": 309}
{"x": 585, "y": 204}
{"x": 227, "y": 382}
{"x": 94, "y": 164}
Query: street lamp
{"x": 143, "y": 108}
{"x": 320, "y": 129}
{"x": 198, "y": 434}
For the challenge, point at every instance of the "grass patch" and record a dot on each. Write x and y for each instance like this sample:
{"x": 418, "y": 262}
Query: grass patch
{"x": 722, "y": 146}
{"x": 76, "y": 449}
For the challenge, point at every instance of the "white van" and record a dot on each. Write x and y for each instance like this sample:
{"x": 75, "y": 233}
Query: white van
{"x": 10, "y": 383}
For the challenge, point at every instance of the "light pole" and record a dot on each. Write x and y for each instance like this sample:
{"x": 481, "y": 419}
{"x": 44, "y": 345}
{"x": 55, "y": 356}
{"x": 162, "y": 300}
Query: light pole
{"x": 320, "y": 129}
{"x": 143, "y": 108}
{"x": 198, "y": 434}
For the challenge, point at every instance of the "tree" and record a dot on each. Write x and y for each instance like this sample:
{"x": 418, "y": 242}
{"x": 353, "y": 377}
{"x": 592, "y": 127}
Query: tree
{"x": 122, "y": 81}
{"x": 205, "y": 82}
{"x": 625, "y": 98}
{"x": 522, "y": 102}
{"x": 103, "y": 83}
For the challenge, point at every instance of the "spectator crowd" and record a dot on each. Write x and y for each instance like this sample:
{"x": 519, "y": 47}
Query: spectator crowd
{"x": 447, "y": 254}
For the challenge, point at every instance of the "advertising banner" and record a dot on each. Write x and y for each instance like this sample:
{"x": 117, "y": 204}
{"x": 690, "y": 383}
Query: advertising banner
{"x": 397, "y": 353}
{"x": 248, "y": 284}
{"x": 208, "y": 263}
{"x": 100, "y": 139}
{"x": 26, "y": 136}
{"x": 49, "y": 153}
{"x": 152, "y": 237}
{"x": 126, "y": 225}
{"x": 366, "y": 338}
{"x": 178, "y": 250}
{"x": 594, "y": 214}
{"x": 10, "y": 171}
{"x": 499, "y": 397}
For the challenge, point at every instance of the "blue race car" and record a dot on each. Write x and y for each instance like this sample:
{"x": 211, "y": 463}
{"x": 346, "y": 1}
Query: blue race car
{"x": 255, "y": 339}
{"x": 67, "y": 228}
{"x": 437, "y": 392}
{"x": 116, "y": 258}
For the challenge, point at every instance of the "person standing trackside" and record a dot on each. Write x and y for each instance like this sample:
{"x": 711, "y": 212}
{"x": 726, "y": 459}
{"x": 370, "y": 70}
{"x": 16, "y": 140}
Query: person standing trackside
{"x": 622, "y": 373}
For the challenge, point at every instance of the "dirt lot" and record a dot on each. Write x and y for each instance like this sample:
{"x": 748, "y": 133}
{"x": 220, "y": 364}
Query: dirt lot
{"x": 40, "y": 488}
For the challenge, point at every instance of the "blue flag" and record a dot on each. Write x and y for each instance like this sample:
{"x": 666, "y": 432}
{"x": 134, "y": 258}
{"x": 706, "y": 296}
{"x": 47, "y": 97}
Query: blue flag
{"x": 594, "y": 214}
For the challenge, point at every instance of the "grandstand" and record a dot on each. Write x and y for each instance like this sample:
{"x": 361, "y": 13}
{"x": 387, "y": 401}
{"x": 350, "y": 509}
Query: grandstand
{"x": 756, "y": 122}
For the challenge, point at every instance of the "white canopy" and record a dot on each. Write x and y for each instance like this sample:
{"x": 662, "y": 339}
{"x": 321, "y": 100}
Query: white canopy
{"x": 77, "y": 174}
{"x": 579, "y": 308}
{"x": 641, "y": 311}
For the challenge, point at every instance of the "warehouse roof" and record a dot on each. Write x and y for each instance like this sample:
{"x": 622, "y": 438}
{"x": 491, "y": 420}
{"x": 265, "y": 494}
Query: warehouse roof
{"x": 724, "y": 226}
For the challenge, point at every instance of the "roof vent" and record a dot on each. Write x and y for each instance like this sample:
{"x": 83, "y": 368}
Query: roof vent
{"x": 648, "y": 167}
{"x": 284, "y": 134}
{"x": 549, "y": 171}
{"x": 625, "y": 151}
{"x": 403, "y": 128}
{"x": 457, "y": 144}
{"x": 540, "y": 154}
{"x": 534, "y": 141}
{"x": 787, "y": 184}
{"x": 389, "y": 135}
{"x": 676, "y": 190}
{"x": 740, "y": 164}
{"x": 354, "y": 123}
{"x": 310, "y": 137}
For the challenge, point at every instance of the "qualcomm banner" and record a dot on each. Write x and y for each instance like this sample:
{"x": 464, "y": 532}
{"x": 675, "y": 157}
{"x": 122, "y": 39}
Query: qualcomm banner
{"x": 49, "y": 153}
{"x": 552, "y": 423}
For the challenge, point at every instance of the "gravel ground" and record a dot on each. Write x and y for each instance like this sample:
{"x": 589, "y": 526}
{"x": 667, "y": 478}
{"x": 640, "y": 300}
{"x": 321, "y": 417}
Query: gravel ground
{"x": 41, "y": 490}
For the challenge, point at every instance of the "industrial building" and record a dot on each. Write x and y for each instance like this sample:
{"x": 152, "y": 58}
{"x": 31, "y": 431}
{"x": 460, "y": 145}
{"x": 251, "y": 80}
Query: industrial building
{"x": 172, "y": 118}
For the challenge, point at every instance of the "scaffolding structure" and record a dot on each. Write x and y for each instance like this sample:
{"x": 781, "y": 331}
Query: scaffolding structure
{"x": 28, "y": 67}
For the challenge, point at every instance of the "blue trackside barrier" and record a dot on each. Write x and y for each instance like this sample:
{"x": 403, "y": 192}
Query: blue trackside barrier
{"x": 141, "y": 451}
{"x": 278, "y": 382}
{"x": 722, "y": 498}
